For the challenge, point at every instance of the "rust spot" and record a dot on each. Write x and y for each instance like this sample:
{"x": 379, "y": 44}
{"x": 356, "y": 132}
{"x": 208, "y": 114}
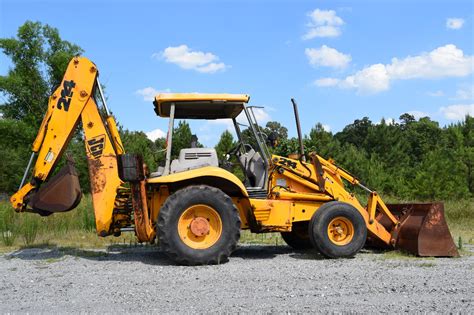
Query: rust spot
{"x": 200, "y": 226}
{"x": 98, "y": 179}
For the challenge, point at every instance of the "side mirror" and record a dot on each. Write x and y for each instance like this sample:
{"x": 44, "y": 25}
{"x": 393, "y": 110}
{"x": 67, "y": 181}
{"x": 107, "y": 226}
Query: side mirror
{"x": 272, "y": 139}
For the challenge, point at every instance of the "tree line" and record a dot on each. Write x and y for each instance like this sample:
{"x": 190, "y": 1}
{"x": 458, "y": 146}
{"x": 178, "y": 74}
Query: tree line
{"x": 409, "y": 159}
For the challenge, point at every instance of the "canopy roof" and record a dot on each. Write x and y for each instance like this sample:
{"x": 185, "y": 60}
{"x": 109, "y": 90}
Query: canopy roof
{"x": 200, "y": 106}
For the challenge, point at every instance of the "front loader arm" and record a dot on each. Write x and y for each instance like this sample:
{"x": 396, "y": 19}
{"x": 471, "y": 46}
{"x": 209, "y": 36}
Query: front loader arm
{"x": 73, "y": 102}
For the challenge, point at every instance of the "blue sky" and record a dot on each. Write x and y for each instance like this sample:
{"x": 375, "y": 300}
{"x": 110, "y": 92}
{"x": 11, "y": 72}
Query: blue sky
{"x": 341, "y": 60}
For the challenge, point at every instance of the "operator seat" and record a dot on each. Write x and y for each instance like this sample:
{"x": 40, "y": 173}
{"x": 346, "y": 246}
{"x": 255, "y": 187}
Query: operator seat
{"x": 191, "y": 158}
{"x": 254, "y": 168}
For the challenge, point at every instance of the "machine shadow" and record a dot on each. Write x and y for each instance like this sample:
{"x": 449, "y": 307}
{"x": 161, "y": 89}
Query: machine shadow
{"x": 147, "y": 254}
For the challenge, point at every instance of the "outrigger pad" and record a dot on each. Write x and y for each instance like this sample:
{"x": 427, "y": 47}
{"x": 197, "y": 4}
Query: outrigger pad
{"x": 423, "y": 230}
{"x": 60, "y": 194}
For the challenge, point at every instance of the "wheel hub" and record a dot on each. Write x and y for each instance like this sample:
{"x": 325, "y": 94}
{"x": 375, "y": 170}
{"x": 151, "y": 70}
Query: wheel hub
{"x": 200, "y": 226}
{"x": 340, "y": 231}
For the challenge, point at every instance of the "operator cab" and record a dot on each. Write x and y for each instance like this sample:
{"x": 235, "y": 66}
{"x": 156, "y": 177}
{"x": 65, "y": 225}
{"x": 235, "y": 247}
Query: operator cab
{"x": 252, "y": 159}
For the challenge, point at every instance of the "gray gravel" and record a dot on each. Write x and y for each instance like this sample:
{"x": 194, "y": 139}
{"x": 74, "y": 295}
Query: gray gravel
{"x": 257, "y": 279}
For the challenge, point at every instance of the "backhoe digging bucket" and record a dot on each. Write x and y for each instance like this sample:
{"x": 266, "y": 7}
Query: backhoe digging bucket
{"x": 60, "y": 194}
{"x": 423, "y": 230}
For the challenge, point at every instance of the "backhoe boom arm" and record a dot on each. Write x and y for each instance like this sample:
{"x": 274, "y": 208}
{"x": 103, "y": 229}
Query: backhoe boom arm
{"x": 71, "y": 103}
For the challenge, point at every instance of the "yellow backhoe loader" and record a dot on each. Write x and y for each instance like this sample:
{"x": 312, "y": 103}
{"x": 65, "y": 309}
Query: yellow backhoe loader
{"x": 193, "y": 205}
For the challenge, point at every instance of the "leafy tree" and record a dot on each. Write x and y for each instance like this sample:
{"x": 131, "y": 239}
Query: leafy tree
{"x": 15, "y": 149}
{"x": 467, "y": 130}
{"x": 287, "y": 146}
{"x": 438, "y": 176}
{"x": 137, "y": 142}
{"x": 320, "y": 141}
{"x": 406, "y": 119}
{"x": 225, "y": 144}
{"x": 160, "y": 153}
{"x": 422, "y": 137}
{"x": 356, "y": 132}
{"x": 182, "y": 137}
{"x": 39, "y": 57}
{"x": 275, "y": 126}
{"x": 248, "y": 136}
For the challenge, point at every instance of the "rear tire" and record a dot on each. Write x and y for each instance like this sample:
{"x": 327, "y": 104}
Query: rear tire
{"x": 298, "y": 238}
{"x": 198, "y": 225}
{"x": 337, "y": 230}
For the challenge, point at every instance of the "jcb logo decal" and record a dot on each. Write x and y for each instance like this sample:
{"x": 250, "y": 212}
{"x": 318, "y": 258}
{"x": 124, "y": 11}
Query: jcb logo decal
{"x": 96, "y": 146}
{"x": 66, "y": 95}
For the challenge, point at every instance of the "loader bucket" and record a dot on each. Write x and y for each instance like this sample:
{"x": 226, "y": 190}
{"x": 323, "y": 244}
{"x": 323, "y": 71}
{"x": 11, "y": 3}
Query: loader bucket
{"x": 422, "y": 231}
{"x": 60, "y": 194}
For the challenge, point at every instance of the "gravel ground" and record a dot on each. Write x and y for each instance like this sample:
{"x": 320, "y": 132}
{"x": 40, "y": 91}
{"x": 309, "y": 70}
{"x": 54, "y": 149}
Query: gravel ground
{"x": 257, "y": 279}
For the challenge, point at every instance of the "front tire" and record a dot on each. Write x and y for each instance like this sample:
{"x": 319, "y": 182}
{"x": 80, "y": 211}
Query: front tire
{"x": 198, "y": 225}
{"x": 337, "y": 230}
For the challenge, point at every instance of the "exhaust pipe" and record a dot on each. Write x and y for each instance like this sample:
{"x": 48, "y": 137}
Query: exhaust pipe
{"x": 298, "y": 129}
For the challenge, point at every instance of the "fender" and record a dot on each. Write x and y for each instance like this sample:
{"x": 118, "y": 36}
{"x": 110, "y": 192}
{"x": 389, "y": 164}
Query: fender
{"x": 214, "y": 176}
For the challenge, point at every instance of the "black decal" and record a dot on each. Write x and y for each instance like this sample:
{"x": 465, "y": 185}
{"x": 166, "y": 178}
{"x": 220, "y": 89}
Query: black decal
{"x": 96, "y": 146}
{"x": 287, "y": 162}
{"x": 66, "y": 95}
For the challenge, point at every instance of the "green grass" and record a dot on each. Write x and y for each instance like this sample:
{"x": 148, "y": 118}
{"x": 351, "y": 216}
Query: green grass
{"x": 247, "y": 237}
{"x": 77, "y": 228}
{"x": 460, "y": 218}
{"x": 74, "y": 228}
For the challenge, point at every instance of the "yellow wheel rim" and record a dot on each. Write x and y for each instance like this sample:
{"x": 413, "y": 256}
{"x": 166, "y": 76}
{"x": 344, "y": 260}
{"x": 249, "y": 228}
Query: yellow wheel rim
{"x": 200, "y": 226}
{"x": 340, "y": 231}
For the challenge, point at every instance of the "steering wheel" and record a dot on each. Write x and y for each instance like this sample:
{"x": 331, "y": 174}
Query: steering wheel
{"x": 237, "y": 147}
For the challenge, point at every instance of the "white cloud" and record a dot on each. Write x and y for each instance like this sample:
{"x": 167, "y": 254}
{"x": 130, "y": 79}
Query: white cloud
{"x": 261, "y": 115}
{"x": 155, "y": 134}
{"x": 212, "y": 128}
{"x": 370, "y": 80}
{"x": 149, "y": 93}
{"x": 327, "y": 128}
{"x": 323, "y": 23}
{"x": 435, "y": 93}
{"x": 327, "y": 57}
{"x": 442, "y": 62}
{"x": 454, "y": 23}
{"x": 325, "y": 17}
{"x": 325, "y": 82}
{"x": 322, "y": 31}
{"x": 184, "y": 57}
{"x": 457, "y": 112}
{"x": 465, "y": 93}
{"x": 227, "y": 123}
